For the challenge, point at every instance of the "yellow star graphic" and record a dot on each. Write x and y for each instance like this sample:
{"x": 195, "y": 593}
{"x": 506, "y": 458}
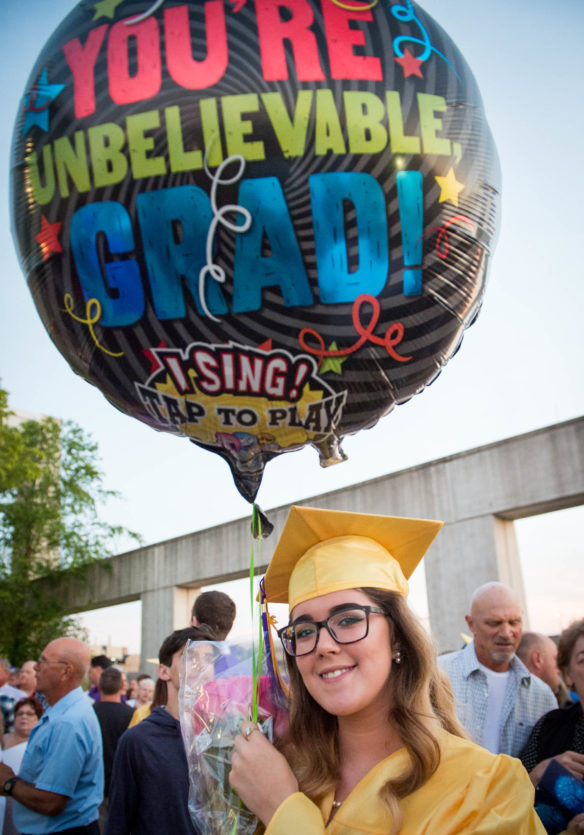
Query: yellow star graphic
{"x": 334, "y": 364}
{"x": 449, "y": 187}
{"x": 106, "y": 8}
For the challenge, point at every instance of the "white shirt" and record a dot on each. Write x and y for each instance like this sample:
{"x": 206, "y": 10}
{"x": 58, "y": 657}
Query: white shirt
{"x": 12, "y": 757}
{"x": 497, "y": 684}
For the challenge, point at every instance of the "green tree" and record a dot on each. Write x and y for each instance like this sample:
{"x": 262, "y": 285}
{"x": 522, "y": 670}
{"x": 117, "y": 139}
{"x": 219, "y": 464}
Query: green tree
{"x": 51, "y": 489}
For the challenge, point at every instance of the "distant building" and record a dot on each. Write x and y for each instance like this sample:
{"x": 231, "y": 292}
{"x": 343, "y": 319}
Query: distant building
{"x": 19, "y": 416}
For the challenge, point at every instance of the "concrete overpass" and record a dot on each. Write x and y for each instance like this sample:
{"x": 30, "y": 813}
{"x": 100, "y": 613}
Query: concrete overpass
{"x": 478, "y": 493}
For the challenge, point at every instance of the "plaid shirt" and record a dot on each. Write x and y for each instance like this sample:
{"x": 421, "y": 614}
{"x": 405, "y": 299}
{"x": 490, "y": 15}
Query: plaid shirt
{"x": 7, "y": 709}
{"x": 8, "y": 697}
{"x": 526, "y": 699}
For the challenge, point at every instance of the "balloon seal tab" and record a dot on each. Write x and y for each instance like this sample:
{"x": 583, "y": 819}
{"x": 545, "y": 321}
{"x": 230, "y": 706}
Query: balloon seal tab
{"x": 330, "y": 452}
{"x": 261, "y": 527}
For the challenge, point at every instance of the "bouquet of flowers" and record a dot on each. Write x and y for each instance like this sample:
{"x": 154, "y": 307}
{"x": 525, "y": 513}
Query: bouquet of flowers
{"x": 216, "y": 697}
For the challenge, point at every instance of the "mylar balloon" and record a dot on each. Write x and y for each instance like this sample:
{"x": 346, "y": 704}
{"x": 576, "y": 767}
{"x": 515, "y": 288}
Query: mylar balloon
{"x": 258, "y": 223}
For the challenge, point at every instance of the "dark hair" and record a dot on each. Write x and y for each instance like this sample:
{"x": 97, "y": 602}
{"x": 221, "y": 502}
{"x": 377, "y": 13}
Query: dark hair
{"x": 160, "y": 694}
{"x": 110, "y": 681}
{"x": 172, "y": 644}
{"x": 101, "y": 661}
{"x": 178, "y": 639}
{"x": 567, "y": 641}
{"x": 217, "y": 610}
{"x": 422, "y": 703}
{"x": 142, "y": 676}
{"x": 31, "y": 702}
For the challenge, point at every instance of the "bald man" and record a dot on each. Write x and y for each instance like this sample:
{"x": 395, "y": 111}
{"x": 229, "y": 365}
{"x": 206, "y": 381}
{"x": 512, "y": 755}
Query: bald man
{"x": 497, "y": 699}
{"x": 540, "y": 655}
{"x": 60, "y": 783}
{"x": 27, "y": 680}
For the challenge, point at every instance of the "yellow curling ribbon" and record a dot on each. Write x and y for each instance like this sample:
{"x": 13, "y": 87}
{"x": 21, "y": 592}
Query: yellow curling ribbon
{"x": 93, "y": 314}
{"x": 272, "y": 619}
{"x": 361, "y": 8}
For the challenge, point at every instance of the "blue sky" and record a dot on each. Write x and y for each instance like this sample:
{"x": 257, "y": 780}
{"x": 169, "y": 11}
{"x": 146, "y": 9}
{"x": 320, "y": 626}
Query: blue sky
{"x": 519, "y": 367}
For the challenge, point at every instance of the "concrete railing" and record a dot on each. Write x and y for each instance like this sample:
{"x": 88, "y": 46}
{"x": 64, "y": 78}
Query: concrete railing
{"x": 478, "y": 494}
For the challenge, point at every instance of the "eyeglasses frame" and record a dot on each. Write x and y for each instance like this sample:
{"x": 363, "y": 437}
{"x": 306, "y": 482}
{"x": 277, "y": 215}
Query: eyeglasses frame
{"x": 42, "y": 660}
{"x": 369, "y": 610}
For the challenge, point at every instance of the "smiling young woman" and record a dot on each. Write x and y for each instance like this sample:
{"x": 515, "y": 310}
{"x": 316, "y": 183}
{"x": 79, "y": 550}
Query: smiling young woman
{"x": 374, "y": 744}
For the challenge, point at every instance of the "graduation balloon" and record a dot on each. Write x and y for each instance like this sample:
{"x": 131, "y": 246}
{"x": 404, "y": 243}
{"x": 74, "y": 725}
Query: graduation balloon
{"x": 258, "y": 224}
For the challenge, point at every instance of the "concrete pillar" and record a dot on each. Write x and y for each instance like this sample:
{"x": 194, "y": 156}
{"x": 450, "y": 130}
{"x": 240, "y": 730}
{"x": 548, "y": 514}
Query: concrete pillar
{"x": 465, "y": 555}
{"x": 183, "y": 605}
{"x": 163, "y": 611}
{"x": 508, "y": 561}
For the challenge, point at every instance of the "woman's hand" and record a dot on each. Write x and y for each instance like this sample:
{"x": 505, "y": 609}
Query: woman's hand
{"x": 573, "y": 762}
{"x": 569, "y": 759}
{"x": 259, "y": 774}
{"x": 576, "y": 825}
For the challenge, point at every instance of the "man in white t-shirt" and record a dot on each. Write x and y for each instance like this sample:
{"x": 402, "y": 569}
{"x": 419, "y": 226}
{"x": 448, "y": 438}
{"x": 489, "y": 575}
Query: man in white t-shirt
{"x": 497, "y": 699}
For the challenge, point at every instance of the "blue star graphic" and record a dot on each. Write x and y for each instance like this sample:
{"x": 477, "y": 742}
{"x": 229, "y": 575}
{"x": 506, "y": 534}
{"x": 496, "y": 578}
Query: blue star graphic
{"x": 37, "y": 101}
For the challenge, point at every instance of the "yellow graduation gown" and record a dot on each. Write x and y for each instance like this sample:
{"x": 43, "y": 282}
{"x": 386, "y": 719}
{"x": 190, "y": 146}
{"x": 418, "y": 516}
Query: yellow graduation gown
{"x": 471, "y": 791}
{"x": 139, "y": 714}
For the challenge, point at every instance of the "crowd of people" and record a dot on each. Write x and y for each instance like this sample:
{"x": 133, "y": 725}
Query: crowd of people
{"x": 104, "y": 759}
{"x": 382, "y": 736}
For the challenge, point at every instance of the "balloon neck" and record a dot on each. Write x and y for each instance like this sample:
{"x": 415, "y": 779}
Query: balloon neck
{"x": 330, "y": 451}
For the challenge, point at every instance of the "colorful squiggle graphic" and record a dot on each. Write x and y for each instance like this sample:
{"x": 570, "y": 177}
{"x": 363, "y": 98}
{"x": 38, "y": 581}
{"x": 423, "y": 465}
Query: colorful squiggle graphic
{"x": 92, "y": 316}
{"x": 406, "y": 14}
{"x": 392, "y": 337}
{"x": 442, "y": 244}
{"x": 216, "y": 272}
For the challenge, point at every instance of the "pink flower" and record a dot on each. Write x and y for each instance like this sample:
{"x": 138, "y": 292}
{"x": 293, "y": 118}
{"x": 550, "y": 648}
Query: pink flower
{"x": 229, "y": 700}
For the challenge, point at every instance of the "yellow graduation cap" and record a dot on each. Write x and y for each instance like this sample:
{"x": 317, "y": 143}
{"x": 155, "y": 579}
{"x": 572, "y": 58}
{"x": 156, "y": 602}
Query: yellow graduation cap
{"x": 321, "y": 551}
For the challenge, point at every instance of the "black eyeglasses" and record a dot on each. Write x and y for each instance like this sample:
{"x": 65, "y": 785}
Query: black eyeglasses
{"x": 345, "y": 627}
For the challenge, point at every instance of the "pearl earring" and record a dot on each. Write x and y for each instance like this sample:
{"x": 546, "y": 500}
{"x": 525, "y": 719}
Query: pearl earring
{"x": 397, "y": 658}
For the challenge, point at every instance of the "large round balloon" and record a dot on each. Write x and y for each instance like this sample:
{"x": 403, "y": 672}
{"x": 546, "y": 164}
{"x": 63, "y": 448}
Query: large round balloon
{"x": 258, "y": 223}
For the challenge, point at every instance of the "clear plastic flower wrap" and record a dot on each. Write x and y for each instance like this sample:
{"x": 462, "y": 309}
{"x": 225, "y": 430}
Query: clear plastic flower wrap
{"x": 216, "y": 696}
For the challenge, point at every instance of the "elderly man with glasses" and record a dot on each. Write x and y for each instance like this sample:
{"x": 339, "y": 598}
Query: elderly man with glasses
{"x": 60, "y": 783}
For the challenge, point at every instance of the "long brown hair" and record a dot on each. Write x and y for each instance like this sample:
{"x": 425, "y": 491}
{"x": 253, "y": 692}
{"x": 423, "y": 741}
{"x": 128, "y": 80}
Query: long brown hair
{"x": 422, "y": 703}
